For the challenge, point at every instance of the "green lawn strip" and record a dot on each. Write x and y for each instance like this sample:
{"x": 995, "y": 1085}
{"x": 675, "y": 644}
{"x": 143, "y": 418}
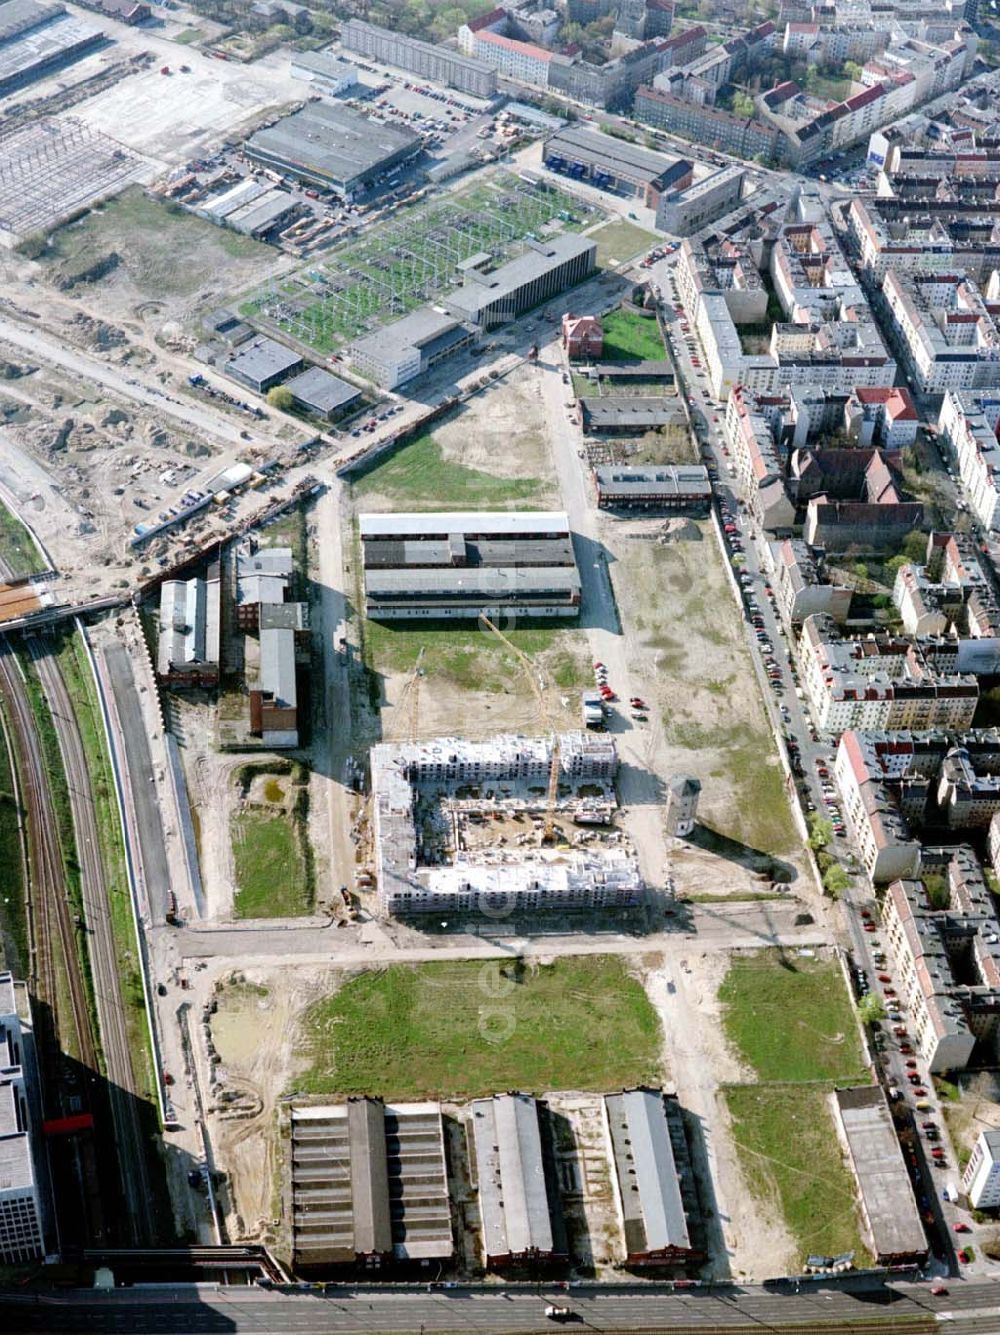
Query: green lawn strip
{"x": 462, "y": 1029}
{"x": 791, "y": 1157}
{"x": 790, "y": 1018}
{"x": 13, "y": 918}
{"x": 270, "y": 865}
{"x": 18, "y": 550}
{"x": 418, "y": 475}
{"x": 79, "y": 679}
{"x": 629, "y": 336}
{"x": 473, "y": 659}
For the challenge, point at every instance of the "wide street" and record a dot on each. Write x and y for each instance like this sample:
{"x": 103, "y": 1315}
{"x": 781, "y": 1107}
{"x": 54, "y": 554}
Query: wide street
{"x": 209, "y": 1308}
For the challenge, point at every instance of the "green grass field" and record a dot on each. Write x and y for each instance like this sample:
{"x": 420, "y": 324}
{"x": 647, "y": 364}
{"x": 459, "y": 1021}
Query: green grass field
{"x": 461, "y": 1029}
{"x": 792, "y": 1160}
{"x": 629, "y": 336}
{"x": 621, "y": 241}
{"x": 419, "y": 477}
{"x": 791, "y": 1019}
{"x": 474, "y": 659}
{"x": 270, "y": 866}
{"x": 17, "y": 547}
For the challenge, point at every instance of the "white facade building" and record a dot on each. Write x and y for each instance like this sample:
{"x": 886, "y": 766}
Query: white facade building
{"x": 981, "y": 1178}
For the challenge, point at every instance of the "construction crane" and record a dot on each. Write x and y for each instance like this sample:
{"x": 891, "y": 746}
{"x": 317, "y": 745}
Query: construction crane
{"x": 548, "y": 829}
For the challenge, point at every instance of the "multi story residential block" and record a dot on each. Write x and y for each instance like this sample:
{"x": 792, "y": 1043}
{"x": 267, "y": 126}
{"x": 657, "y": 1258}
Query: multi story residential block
{"x": 802, "y": 586}
{"x": 957, "y": 599}
{"x": 882, "y": 415}
{"x": 946, "y": 334}
{"x": 422, "y": 58}
{"x": 743, "y": 137}
{"x": 947, "y": 956}
{"x": 968, "y": 427}
{"x": 879, "y": 683}
{"x": 936, "y": 237}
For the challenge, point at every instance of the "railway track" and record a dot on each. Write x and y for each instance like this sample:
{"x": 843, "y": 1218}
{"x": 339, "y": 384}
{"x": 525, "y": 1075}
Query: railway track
{"x": 55, "y": 975}
{"x": 123, "y": 1081}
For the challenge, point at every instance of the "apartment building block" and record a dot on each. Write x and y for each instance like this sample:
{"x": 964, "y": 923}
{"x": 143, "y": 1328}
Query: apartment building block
{"x": 946, "y": 334}
{"x": 981, "y": 1176}
{"x": 967, "y": 426}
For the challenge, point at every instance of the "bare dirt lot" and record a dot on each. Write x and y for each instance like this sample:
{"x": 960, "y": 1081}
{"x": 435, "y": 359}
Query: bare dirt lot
{"x": 684, "y": 640}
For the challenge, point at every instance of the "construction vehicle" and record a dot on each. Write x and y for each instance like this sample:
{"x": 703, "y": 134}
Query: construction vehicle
{"x": 548, "y": 828}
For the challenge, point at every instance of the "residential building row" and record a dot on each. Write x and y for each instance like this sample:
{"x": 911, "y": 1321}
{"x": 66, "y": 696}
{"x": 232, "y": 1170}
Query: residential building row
{"x": 945, "y": 332}
{"x": 881, "y": 682}
{"x": 828, "y": 337}
{"x": 967, "y": 430}
{"x": 950, "y": 594}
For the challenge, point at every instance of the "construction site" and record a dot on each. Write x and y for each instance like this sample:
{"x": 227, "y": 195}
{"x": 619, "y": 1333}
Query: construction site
{"x": 502, "y": 824}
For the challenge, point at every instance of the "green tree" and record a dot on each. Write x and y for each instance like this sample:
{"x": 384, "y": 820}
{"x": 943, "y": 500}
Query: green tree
{"x": 915, "y": 546}
{"x": 743, "y": 105}
{"x": 852, "y": 70}
{"x": 820, "y": 831}
{"x": 280, "y": 396}
{"x": 936, "y": 887}
{"x": 871, "y": 1009}
{"x": 835, "y": 880}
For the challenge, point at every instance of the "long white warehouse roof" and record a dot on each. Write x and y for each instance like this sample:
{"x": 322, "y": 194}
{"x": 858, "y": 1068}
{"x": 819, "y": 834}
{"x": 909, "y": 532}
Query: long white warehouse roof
{"x": 512, "y": 522}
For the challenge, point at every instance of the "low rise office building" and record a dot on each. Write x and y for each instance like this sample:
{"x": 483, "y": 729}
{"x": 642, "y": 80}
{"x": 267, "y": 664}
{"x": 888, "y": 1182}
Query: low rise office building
{"x": 399, "y": 352}
{"x": 653, "y": 487}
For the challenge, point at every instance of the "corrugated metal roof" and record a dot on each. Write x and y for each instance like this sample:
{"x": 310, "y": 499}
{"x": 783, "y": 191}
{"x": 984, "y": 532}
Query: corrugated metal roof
{"x": 513, "y": 1200}
{"x": 648, "y": 1187}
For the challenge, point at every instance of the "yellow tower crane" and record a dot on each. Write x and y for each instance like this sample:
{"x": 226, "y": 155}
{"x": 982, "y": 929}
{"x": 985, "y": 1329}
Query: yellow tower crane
{"x": 548, "y": 829}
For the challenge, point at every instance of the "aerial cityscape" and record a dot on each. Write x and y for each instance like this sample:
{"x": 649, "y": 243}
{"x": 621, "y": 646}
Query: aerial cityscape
{"x": 499, "y": 666}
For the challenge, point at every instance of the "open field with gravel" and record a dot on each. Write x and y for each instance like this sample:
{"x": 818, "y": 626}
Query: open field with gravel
{"x": 465, "y": 1029}
{"x": 789, "y": 1019}
{"x": 147, "y": 236}
{"x": 689, "y": 648}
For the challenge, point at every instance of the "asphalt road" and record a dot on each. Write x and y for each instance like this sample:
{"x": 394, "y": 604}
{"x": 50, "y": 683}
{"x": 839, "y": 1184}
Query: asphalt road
{"x": 149, "y": 826}
{"x": 517, "y": 1311}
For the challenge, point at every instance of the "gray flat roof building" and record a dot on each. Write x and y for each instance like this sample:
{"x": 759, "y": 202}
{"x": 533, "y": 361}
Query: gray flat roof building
{"x": 333, "y": 147}
{"x": 629, "y": 414}
{"x": 329, "y": 72}
{"x": 646, "y": 1181}
{"x": 609, "y": 161}
{"x": 369, "y": 1182}
{"x": 673, "y": 486}
{"x": 458, "y": 564}
{"x": 21, "y": 1222}
{"x": 36, "y": 40}
{"x": 261, "y": 363}
{"x": 521, "y": 1218}
{"x": 546, "y": 268}
{"x": 892, "y": 1229}
{"x": 317, "y": 391}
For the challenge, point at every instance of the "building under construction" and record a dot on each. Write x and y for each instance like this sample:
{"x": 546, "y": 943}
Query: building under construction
{"x": 369, "y": 1185}
{"x": 460, "y": 825}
